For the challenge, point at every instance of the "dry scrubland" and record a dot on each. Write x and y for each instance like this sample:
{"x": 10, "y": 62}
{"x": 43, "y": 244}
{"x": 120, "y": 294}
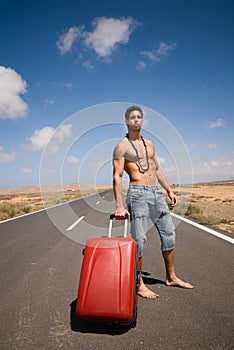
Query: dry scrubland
{"x": 209, "y": 204}
{"x": 19, "y": 201}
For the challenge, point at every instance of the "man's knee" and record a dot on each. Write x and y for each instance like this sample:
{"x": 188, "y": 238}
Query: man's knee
{"x": 167, "y": 241}
{"x": 141, "y": 244}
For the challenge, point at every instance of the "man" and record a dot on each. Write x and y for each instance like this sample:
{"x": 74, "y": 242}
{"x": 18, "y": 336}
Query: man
{"x": 137, "y": 157}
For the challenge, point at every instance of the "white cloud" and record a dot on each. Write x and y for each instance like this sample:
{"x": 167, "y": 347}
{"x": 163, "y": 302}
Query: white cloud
{"x": 72, "y": 159}
{"x": 67, "y": 40}
{"x": 12, "y": 86}
{"x": 62, "y": 133}
{"x": 27, "y": 170}
{"x": 212, "y": 145}
{"x": 215, "y": 124}
{"x": 194, "y": 145}
{"x": 68, "y": 85}
{"x": 227, "y": 163}
{"x": 41, "y": 137}
{"x": 161, "y": 161}
{"x": 6, "y": 157}
{"x": 215, "y": 169}
{"x": 151, "y": 55}
{"x": 141, "y": 65}
{"x": 167, "y": 166}
{"x": 158, "y": 54}
{"x": 165, "y": 48}
{"x": 48, "y": 102}
{"x": 108, "y": 33}
{"x": 88, "y": 65}
{"x": 214, "y": 164}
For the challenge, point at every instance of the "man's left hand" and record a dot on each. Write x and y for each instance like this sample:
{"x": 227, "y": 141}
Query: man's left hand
{"x": 173, "y": 198}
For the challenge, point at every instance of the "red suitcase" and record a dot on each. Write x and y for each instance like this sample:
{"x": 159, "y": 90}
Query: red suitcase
{"x": 109, "y": 280}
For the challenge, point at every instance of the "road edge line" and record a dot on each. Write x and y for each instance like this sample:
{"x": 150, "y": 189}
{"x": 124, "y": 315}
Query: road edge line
{"x": 204, "y": 228}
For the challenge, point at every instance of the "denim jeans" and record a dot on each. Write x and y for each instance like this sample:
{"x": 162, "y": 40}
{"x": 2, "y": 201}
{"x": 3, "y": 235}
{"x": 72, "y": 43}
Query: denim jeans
{"x": 144, "y": 203}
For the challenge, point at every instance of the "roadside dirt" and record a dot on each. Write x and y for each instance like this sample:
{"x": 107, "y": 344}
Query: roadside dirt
{"x": 212, "y": 204}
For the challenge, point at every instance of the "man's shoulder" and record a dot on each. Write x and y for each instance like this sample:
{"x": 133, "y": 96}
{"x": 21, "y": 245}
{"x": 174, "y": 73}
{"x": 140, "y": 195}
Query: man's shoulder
{"x": 120, "y": 148}
{"x": 149, "y": 142}
{"x": 123, "y": 140}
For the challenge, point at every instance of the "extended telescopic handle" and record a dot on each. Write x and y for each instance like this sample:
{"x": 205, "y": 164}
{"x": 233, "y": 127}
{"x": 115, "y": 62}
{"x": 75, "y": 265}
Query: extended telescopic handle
{"x": 112, "y": 216}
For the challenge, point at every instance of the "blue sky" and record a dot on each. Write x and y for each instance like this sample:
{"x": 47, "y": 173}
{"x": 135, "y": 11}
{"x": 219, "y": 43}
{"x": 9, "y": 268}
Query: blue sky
{"x": 68, "y": 70}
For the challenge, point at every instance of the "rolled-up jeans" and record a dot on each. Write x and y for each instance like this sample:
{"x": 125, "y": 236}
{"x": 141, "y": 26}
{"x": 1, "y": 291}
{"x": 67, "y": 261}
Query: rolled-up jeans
{"x": 144, "y": 203}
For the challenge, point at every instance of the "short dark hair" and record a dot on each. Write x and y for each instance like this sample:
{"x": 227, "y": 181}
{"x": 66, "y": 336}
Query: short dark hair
{"x": 131, "y": 109}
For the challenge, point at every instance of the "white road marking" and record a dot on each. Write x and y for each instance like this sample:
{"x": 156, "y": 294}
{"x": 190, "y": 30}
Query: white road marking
{"x": 209, "y": 230}
{"x": 75, "y": 223}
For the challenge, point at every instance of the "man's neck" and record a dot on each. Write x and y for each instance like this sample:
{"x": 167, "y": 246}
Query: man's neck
{"x": 134, "y": 135}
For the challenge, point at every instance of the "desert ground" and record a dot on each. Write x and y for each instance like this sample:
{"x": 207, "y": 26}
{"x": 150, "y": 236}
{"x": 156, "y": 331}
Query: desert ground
{"x": 210, "y": 204}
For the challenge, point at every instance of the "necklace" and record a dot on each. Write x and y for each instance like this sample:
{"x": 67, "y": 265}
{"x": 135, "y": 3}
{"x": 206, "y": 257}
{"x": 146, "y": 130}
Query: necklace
{"x": 138, "y": 163}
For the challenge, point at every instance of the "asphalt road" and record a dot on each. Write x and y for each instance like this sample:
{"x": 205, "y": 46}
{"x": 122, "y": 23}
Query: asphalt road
{"x": 39, "y": 274}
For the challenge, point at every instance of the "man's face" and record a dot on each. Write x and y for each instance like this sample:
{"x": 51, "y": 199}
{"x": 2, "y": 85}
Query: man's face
{"x": 135, "y": 120}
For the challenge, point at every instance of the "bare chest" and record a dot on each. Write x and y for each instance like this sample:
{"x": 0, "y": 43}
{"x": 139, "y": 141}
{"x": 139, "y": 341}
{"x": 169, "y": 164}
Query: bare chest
{"x": 137, "y": 151}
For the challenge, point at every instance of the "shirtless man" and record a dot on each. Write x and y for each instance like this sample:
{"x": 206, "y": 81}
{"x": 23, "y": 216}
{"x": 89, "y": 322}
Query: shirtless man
{"x": 137, "y": 157}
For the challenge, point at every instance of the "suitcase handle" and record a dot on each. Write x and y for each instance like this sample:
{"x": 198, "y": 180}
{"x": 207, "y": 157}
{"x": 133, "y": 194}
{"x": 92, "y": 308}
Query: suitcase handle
{"x": 112, "y": 216}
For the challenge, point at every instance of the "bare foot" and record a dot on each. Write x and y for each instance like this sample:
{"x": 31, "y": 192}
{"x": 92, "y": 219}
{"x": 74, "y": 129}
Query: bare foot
{"x": 178, "y": 283}
{"x": 145, "y": 292}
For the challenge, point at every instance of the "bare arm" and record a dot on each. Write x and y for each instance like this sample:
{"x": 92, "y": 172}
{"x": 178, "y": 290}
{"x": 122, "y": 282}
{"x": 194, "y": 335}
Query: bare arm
{"x": 118, "y": 170}
{"x": 118, "y": 167}
{"x": 164, "y": 183}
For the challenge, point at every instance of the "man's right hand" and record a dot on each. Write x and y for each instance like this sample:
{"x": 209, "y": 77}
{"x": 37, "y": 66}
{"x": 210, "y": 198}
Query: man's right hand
{"x": 121, "y": 213}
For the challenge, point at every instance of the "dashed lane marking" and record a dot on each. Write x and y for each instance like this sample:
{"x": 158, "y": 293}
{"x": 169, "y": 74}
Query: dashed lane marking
{"x": 75, "y": 223}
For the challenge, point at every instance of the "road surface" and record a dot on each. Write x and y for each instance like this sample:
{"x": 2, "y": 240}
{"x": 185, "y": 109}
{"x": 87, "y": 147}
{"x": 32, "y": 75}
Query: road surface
{"x": 39, "y": 276}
